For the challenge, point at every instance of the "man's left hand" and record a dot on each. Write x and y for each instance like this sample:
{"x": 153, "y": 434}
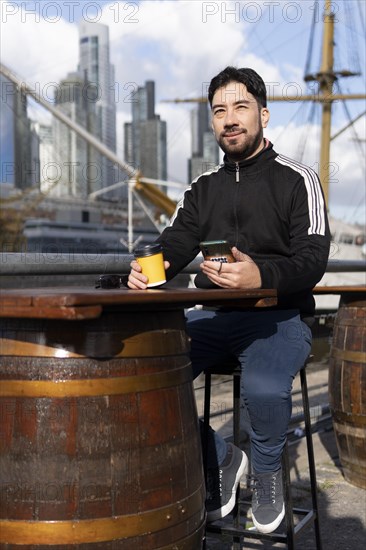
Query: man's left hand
{"x": 243, "y": 273}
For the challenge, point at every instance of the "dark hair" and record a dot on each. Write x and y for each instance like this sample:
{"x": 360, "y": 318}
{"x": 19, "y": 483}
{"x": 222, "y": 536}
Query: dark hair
{"x": 253, "y": 82}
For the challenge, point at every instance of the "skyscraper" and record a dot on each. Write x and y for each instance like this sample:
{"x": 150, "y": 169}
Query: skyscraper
{"x": 199, "y": 125}
{"x": 205, "y": 151}
{"x": 78, "y": 164}
{"x": 145, "y": 138}
{"x": 48, "y": 168}
{"x": 19, "y": 145}
{"x": 95, "y": 67}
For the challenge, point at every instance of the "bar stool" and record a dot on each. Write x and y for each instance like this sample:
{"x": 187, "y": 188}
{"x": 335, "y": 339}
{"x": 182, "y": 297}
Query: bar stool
{"x": 233, "y": 529}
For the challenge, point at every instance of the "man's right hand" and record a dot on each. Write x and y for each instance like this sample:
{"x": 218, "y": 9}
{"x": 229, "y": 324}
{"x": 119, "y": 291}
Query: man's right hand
{"x": 136, "y": 280}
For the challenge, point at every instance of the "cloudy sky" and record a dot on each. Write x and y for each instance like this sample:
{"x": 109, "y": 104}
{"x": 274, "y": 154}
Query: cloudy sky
{"x": 181, "y": 44}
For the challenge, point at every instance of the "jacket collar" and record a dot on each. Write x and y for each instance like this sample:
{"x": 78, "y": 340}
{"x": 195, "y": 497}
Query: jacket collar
{"x": 264, "y": 154}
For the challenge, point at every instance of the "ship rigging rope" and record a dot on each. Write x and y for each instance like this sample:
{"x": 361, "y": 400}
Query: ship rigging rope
{"x": 361, "y": 17}
{"x": 301, "y": 107}
{"x": 351, "y": 30}
{"x": 301, "y": 147}
{"x": 361, "y": 204}
{"x": 309, "y": 54}
{"x": 361, "y": 152}
{"x": 355, "y": 134}
{"x": 351, "y": 55}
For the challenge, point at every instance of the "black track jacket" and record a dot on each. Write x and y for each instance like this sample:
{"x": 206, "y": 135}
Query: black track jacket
{"x": 271, "y": 208}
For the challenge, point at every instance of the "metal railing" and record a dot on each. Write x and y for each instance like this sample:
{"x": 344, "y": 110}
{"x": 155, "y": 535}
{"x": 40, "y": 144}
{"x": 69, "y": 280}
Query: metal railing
{"x": 53, "y": 263}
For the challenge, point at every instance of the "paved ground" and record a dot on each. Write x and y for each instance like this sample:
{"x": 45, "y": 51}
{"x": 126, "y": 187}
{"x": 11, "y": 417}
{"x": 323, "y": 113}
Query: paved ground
{"x": 342, "y": 506}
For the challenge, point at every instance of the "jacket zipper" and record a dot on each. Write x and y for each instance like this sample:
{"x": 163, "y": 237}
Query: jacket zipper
{"x": 236, "y": 203}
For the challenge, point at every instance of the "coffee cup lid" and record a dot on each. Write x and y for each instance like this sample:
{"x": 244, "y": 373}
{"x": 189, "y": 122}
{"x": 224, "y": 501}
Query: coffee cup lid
{"x": 147, "y": 250}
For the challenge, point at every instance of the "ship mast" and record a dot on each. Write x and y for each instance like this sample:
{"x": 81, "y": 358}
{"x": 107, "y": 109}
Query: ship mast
{"x": 326, "y": 81}
{"x": 326, "y": 78}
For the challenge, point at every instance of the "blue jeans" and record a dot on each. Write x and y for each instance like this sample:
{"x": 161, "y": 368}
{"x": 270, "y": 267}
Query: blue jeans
{"x": 271, "y": 346}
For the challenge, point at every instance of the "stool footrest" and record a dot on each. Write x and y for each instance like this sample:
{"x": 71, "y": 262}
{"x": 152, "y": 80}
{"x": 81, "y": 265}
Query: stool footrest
{"x": 309, "y": 517}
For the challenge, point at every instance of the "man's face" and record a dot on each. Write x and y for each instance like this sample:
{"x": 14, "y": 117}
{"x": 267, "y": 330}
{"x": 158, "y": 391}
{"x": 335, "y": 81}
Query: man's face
{"x": 237, "y": 121}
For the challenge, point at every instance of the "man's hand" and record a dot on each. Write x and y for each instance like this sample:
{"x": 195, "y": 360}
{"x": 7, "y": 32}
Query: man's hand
{"x": 136, "y": 280}
{"x": 244, "y": 273}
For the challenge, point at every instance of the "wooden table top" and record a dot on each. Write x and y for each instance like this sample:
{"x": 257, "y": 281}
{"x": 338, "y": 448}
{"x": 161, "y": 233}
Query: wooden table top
{"x": 77, "y": 303}
{"x": 339, "y": 289}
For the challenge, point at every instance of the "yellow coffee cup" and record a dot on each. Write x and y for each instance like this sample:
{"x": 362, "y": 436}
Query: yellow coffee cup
{"x": 151, "y": 260}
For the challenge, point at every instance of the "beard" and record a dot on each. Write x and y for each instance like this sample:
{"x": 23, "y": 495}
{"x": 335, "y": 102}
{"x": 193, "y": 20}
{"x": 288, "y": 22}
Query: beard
{"x": 241, "y": 147}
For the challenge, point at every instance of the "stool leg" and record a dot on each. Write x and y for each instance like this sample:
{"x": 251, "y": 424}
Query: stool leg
{"x": 236, "y": 406}
{"x": 206, "y": 424}
{"x": 206, "y": 421}
{"x": 287, "y": 496}
{"x": 311, "y": 461}
{"x": 236, "y": 440}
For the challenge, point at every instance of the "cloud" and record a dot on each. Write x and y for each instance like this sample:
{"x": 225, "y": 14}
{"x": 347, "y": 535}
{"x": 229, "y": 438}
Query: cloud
{"x": 181, "y": 45}
{"x": 172, "y": 45}
{"x": 39, "y": 50}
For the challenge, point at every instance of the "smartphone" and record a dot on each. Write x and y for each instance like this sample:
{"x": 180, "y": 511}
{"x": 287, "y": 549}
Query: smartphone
{"x": 217, "y": 251}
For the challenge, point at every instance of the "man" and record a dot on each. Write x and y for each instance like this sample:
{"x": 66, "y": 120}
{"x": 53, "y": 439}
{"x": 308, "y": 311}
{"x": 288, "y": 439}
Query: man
{"x": 271, "y": 210}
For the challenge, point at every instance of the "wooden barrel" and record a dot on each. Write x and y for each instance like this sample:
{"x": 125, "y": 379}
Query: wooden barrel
{"x": 347, "y": 388}
{"x": 99, "y": 446}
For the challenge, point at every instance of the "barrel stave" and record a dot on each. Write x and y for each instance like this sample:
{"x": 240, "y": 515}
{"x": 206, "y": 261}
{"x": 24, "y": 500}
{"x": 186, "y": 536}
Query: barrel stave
{"x": 347, "y": 389}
